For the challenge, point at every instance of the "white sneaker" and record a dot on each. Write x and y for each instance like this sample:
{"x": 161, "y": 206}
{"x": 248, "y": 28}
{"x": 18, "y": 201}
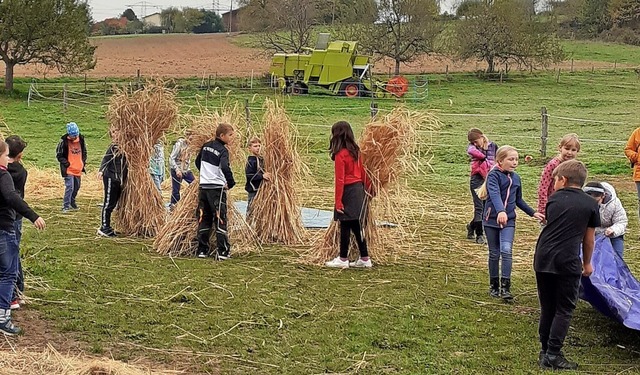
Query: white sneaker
{"x": 361, "y": 263}
{"x": 337, "y": 263}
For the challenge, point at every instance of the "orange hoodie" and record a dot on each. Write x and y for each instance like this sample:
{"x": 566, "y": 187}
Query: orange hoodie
{"x": 75, "y": 158}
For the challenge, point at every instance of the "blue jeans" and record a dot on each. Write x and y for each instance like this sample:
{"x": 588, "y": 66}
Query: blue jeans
{"x": 17, "y": 227}
{"x": 9, "y": 256}
{"x": 157, "y": 180}
{"x": 71, "y": 187}
{"x": 500, "y": 243}
{"x": 176, "y": 183}
{"x": 618, "y": 244}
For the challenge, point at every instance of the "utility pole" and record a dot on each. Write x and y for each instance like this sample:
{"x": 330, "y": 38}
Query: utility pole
{"x": 230, "y": 16}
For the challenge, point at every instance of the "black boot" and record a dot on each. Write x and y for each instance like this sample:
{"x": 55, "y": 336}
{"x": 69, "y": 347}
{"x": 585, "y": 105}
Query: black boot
{"x": 505, "y": 289}
{"x": 494, "y": 287}
{"x": 471, "y": 230}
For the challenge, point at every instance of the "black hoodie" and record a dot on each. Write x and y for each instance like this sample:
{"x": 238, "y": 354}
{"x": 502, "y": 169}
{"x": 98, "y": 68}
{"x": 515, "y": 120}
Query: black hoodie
{"x": 11, "y": 202}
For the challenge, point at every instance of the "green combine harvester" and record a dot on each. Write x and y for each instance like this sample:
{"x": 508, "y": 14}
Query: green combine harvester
{"x": 336, "y": 66}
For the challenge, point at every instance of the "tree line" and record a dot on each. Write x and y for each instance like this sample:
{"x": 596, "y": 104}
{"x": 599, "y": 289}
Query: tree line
{"x": 173, "y": 20}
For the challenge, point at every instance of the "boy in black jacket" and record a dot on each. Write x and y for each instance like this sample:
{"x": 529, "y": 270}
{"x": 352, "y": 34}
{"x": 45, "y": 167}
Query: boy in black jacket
{"x": 113, "y": 171}
{"x": 572, "y": 217}
{"x": 215, "y": 179}
{"x": 19, "y": 176}
{"x": 254, "y": 171}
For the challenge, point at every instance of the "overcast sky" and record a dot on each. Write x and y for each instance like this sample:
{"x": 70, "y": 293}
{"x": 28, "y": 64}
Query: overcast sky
{"x": 102, "y": 9}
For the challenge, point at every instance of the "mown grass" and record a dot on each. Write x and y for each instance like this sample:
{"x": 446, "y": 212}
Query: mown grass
{"x": 599, "y": 51}
{"x": 265, "y": 313}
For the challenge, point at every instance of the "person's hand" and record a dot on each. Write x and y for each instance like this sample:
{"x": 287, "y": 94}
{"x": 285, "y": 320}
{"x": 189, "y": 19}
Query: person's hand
{"x": 340, "y": 210}
{"x": 587, "y": 270}
{"x": 608, "y": 232}
{"x": 178, "y": 174}
{"x": 100, "y": 175}
{"x": 39, "y": 223}
{"x": 540, "y": 217}
{"x": 502, "y": 219}
{"x": 266, "y": 176}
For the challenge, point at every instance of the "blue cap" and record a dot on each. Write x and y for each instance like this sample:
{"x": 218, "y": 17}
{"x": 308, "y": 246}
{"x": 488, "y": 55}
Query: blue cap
{"x": 72, "y": 129}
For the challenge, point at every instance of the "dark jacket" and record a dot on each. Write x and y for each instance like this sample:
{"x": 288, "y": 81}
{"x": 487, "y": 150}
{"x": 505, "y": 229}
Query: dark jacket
{"x": 62, "y": 152}
{"x": 254, "y": 171}
{"x": 19, "y": 176}
{"x": 213, "y": 163}
{"x": 504, "y": 194}
{"x": 114, "y": 164}
{"x": 11, "y": 202}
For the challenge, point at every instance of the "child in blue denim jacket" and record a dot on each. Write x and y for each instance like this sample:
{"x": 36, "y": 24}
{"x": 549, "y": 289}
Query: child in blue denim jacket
{"x": 503, "y": 192}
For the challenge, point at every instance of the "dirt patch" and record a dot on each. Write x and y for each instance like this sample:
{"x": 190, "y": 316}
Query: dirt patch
{"x": 189, "y": 55}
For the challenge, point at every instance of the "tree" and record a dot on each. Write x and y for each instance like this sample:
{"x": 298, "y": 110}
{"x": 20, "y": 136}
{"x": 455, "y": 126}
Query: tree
{"x": 501, "y": 32}
{"x": 211, "y": 23}
{"x": 406, "y": 30}
{"x": 130, "y": 15}
{"x": 192, "y": 17}
{"x": 284, "y": 25}
{"x": 51, "y": 32}
{"x": 595, "y": 16}
{"x": 171, "y": 18}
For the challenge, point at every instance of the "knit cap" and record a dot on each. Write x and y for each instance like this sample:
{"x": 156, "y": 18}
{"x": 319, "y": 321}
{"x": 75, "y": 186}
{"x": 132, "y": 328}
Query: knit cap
{"x": 72, "y": 129}
{"x": 474, "y": 134}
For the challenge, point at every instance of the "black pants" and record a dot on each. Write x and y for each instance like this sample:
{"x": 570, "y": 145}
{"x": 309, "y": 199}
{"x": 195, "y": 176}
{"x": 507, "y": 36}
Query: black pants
{"x": 346, "y": 227}
{"x": 478, "y": 204}
{"x": 112, "y": 192}
{"x": 212, "y": 210}
{"x": 558, "y": 296}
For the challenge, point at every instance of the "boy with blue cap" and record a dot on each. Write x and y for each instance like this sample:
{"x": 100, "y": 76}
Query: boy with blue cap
{"x": 72, "y": 155}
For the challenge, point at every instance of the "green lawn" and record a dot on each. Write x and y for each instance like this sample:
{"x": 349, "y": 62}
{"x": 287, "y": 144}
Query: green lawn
{"x": 600, "y": 51}
{"x": 268, "y": 314}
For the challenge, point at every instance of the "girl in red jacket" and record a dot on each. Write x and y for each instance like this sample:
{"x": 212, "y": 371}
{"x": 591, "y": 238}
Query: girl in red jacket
{"x": 350, "y": 183}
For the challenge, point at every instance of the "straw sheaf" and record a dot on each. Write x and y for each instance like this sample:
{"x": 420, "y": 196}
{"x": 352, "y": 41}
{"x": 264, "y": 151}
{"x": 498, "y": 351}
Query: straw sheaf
{"x": 138, "y": 120}
{"x": 275, "y": 213}
{"x": 389, "y": 149}
{"x": 44, "y": 184}
{"x": 50, "y": 361}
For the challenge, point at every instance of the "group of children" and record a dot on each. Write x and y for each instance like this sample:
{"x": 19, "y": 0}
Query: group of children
{"x": 570, "y": 216}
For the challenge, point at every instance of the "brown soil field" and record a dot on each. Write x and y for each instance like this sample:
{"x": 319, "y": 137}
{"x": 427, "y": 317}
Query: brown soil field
{"x": 189, "y": 55}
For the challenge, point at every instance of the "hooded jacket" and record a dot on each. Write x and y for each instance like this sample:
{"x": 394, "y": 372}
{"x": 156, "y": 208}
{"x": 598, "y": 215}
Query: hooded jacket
{"x": 213, "y": 163}
{"x": 482, "y": 160}
{"x": 612, "y": 213}
{"x": 504, "y": 194}
{"x": 114, "y": 164}
{"x": 62, "y": 153}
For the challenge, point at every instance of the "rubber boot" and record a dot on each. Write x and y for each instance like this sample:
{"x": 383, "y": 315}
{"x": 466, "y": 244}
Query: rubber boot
{"x": 505, "y": 289}
{"x": 494, "y": 287}
{"x": 471, "y": 230}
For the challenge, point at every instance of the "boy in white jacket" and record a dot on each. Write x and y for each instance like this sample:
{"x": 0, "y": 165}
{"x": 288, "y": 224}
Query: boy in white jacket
{"x": 613, "y": 217}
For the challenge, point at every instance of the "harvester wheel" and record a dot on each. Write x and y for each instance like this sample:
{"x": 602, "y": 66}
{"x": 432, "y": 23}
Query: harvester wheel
{"x": 351, "y": 89}
{"x": 299, "y": 89}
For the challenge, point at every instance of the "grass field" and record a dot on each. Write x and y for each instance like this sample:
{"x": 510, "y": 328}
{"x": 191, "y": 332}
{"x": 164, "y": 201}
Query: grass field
{"x": 268, "y": 314}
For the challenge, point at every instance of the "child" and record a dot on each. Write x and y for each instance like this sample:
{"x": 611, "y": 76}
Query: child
{"x": 503, "y": 194}
{"x": 483, "y": 157}
{"x": 216, "y": 178}
{"x": 567, "y": 149}
{"x": 632, "y": 152}
{"x": 72, "y": 155}
{"x": 254, "y": 170}
{"x": 156, "y": 165}
{"x": 10, "y": 203}
{"x": 613, "y": 217}
{"x": 350, "y": 183}
{"x": 113, "y": 171}
{"x": 19, "y": 176}
{"x": 179, "y": 161}
{"x": 572, "y": 217}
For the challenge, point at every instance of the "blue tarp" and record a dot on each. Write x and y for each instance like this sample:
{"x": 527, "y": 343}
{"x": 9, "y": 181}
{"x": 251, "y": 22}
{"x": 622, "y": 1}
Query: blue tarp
{"x": 612, "y": 289}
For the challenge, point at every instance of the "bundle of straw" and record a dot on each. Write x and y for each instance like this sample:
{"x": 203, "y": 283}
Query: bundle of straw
{"x": 389, "y": 149}
{"x": 178, "y": 236}
{"x": 137, "y": 120}
{"x": 275, "y": 212}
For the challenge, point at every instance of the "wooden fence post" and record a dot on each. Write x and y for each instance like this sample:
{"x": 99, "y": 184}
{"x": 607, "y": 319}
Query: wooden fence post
{"x": 64, "y": 97}
{"x": 558, "y": 76}
{"x": 105, "y": 87}
{"x": 247, "y": 114}
{"x": 374, "y": 109}
{"x": 85, "y": 83}
{"x": 544, "y": 134}
{"x": 138, "y": 80}
{"x": 30, "y": 93}
{"x": 571, "y": 65}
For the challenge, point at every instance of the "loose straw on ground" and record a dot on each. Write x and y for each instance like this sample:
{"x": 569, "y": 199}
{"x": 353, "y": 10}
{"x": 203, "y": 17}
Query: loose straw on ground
{"x": 178, "y": 236}
{"x": 137, "y": 120}
{"x": 50, "y": 361}
{"x": 275, "y": 212}
{"x": 389, "y": 149}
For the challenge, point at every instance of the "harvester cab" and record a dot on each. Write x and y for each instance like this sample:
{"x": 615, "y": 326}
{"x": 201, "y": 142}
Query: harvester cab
{"x": 336, "y": 66}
